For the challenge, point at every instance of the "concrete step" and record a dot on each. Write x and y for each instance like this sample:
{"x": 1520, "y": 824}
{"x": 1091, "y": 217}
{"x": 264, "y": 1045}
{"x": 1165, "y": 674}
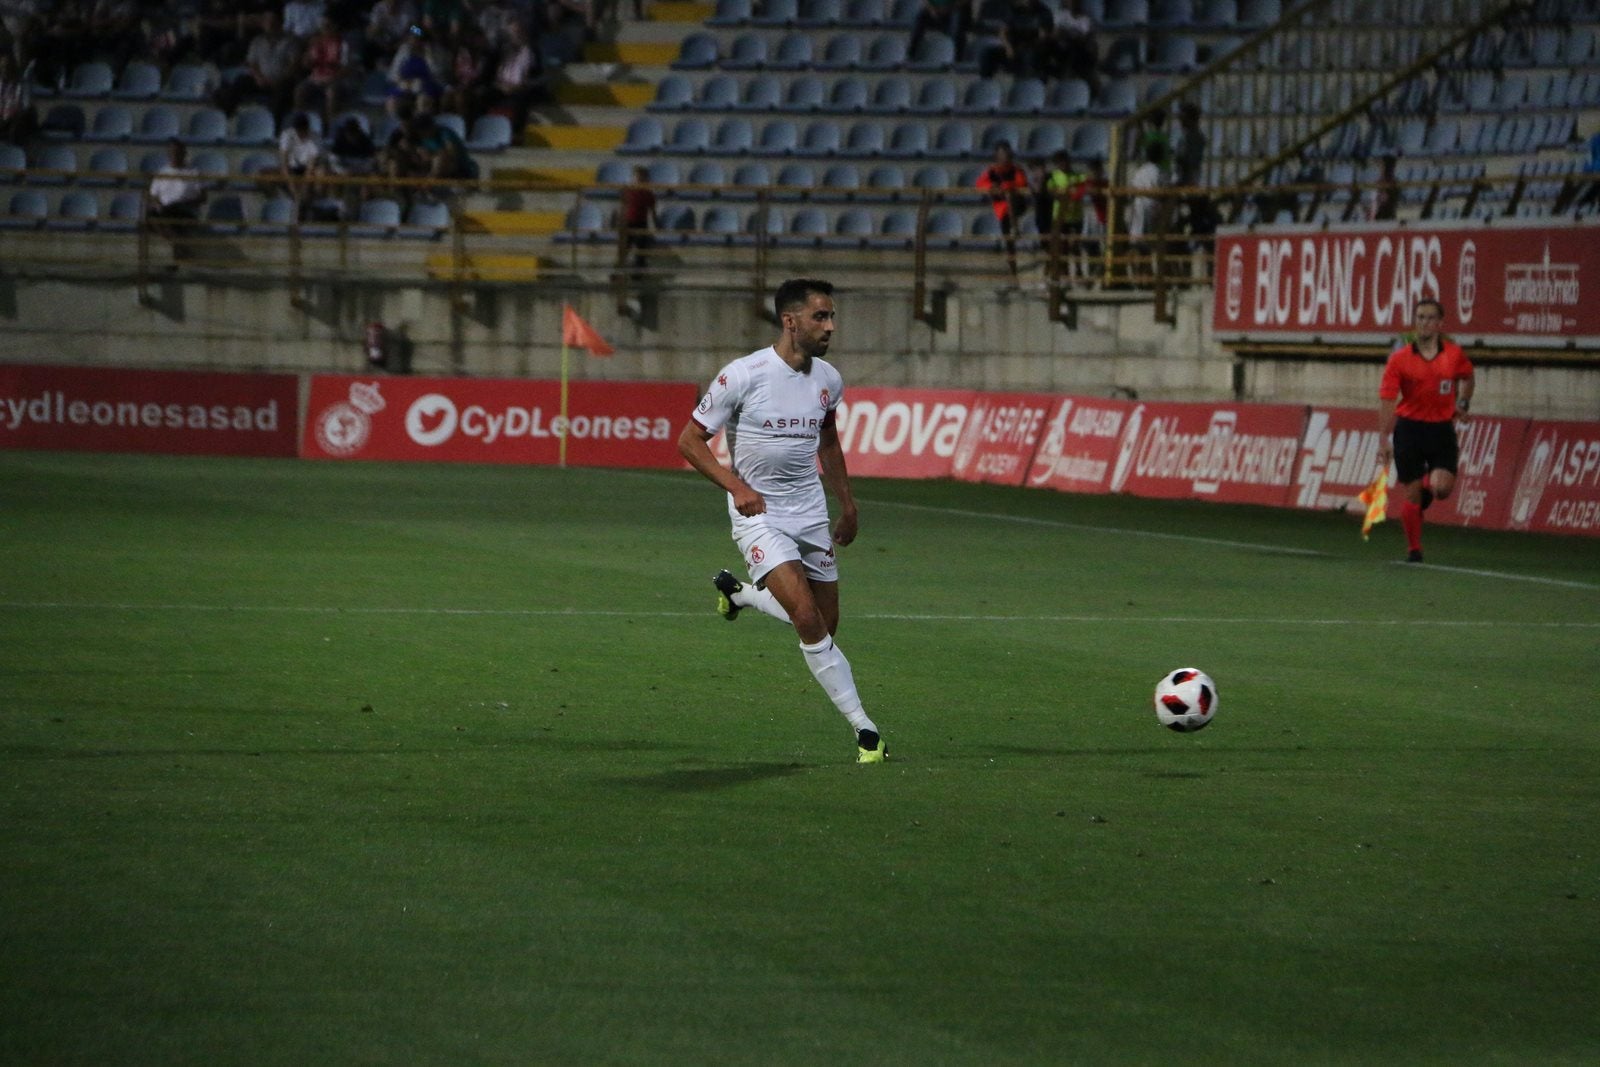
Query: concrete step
{"x": 603, "y": 139}
{"x": 513, "y": 223}
{"x": 541, "y": 176}
{"x": 485, "y": 267}
{"x": 633, "y": 53}
{"x": 632, "y": 94}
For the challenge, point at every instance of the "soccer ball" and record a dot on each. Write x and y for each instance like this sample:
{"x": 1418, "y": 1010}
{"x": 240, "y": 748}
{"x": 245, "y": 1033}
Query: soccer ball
{"x": 1186, "y": 700}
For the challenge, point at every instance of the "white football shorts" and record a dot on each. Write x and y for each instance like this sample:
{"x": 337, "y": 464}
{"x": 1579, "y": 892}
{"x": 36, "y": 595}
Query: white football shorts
{"x": 765, "y": 541}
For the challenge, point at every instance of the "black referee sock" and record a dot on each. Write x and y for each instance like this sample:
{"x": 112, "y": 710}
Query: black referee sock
{"x": 1427, "y": 497}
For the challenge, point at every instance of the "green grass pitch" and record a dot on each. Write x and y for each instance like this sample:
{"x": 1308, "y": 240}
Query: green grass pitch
{"x": 355, "y": 763}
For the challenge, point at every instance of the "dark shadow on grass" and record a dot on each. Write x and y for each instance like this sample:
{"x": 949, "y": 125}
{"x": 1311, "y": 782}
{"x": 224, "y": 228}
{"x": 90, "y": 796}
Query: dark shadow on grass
{"x": 703, "y": 779}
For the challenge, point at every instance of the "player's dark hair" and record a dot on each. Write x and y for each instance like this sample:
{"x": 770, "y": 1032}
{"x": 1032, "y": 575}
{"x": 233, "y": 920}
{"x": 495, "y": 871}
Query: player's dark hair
{"x": 1427, "y": 300}
{"x": 793, "y": 294}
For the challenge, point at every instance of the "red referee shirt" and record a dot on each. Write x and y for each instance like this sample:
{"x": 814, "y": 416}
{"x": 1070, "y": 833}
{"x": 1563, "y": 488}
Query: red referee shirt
{"x": 1426, "y": 388}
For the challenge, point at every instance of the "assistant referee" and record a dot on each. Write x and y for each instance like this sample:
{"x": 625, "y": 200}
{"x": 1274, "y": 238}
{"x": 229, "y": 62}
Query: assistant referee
{"x": 1426, "y": 388}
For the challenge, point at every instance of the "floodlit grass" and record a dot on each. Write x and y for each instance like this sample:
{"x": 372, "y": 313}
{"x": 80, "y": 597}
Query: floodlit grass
{"x": 327, "y": 763}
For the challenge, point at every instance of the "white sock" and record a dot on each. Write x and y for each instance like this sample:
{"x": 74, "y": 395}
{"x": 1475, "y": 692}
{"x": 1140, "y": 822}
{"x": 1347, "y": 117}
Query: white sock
{"x": 760, "y": 599}
{"x": 832, "y": 672}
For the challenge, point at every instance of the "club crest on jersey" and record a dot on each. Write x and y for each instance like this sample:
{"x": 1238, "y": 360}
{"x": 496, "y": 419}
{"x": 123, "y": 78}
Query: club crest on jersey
{"x": 826, "y": 396}
{"x": 756, "y": 555}
{"x": 722, "y": 380}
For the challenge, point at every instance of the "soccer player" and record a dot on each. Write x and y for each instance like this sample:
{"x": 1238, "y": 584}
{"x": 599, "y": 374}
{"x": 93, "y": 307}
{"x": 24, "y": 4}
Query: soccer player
{"x": 777, "y": 406}
{"x": 1427, "y": 386}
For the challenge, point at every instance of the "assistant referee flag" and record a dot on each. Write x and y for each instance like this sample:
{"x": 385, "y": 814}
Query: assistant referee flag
{"x": 1376, "y": 498}
{"x": 579, "y": 334}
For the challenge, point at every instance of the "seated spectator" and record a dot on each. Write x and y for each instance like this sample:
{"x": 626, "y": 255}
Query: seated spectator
{"x": 18, "y": 117}
{"x": 518, "y": 82}
{"x": 303, "y": 18}
{"x": 444, "y": 19}
{"x": 115, "y": 31}
{"x": 568, "y": 26}
{"x": 301, "y": 160}
{"x": 442, "y": 152}
{"x": 327, "y": 66}
{"x": 351, "y": 152}
{"x": 59, "y": 43}
{"x": 400, "y": 161}
{"x": 386, "y": 30}
{"x": 953, "y": 18}
{"x": 176, "y": 196}
{"x": 1027, "y": 23}
{"x": 415, "y": 84}
{"x": 223, "y": 29}
{"x": 272, "y": 62}
{"x": 1384, "y": 201}
{"x": 1071, "y": 51}
{"x": 1007, "y": 186}
{"x": 469, "y": 75}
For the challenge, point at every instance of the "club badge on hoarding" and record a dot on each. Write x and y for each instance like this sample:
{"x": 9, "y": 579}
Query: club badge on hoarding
{"x": 344, "y": 427}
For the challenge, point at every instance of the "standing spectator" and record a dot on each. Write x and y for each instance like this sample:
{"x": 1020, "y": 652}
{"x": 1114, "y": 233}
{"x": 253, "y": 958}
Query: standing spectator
{"x": 327, "y": 63}
{"x": 18, "y": 118}
{"x": 301, "y": 160}
{"x": 1385, "y": 200}
{"x": 637, "y": 220}
{"x": 1091, "y": 194}
{"x": 176, "y": 195}
{"x": 386, "y": 30}
{"x": 953, "y": 18}
{"x": 1188, "y": 162}
{"x": 1072, "y": 51}
{"x": 1007, "y": 186}
{"x": 1027, "y": 23}
{"x": 303, "y": 18}
{"x": 115, "y": 31}
{"x": 469, "y": 75}
{"x": 1591, "y": 168}
{"x": 518, "y": 81}
{"x": 1153, "y": 136}
{"x": 1145, "y": 212}
{"x": 272, "y": 61}
{"x": 1065, "y": 221}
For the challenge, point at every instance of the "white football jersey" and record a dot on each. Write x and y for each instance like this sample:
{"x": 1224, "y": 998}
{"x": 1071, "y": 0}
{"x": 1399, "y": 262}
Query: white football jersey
{"x": 773, "y": 416}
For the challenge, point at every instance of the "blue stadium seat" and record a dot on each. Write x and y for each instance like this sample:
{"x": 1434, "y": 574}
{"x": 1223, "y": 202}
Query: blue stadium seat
{"x": 699, "y": 52}
{"x": 953, "y": 141}
{"x": 1117, "y": 99}
{"x": 673, "y": 93}
{"x": 644, "y": 135}
{"x": 1025, "y": 97}
{"x": 140, "y": 81}
{"x": 841, "y": 180}
{"x": 379, "y": 217}
{"x": 1259, "y": 14}
{"x": 749, "y": 52}
{"x": 159, "y": 123}
{"x": 63, "y": 122}
{"x": 585, "y": 223}
{"x": 612, "y": 172}
{"x": 1547, "y": 46}
{"x": 865, "y": 140}
{"x": 994, "y": 134}
{"x": 779, "y": 137}
{"x": 258, "y": 163}
{"x": 13, "y": 161}
{"x": 772, "y": 222}
{"x": 1581, "y": 46}
{"x": 1442, "y": 138}
{"x": 26, "y": 210}
{"x": 981, "y": 98}
{"x": 1043, "y": 141}
{"x": 805, "y": 94}
{"x": 731, "y": 13}
{"x": 187, "y": 82}
{"x": 123, "y": 215}
{"x": 908, "y": 141}
{"x": 849, "y": 95}
{"x": 794, "y": 53}
{"x": 842, "y": 52}
{"x": 1174, "y": 54}
{"x": 936, "y": 97}
{"x": 707, "y": 172}
{"x": 60, "y": 160}
{"x": 1511, "y": 94}
{"x": 896, "y": 229}
{"x": 718, "y": 226}
{"x": 1091, "y": 141}
{"x": 944, "y": 228}
{"x": 776, "y": 13}
{"x": 901, "y": 14}
{"x": 747, "y": 178}
{"x": 224, "y": 214}
{"x": 821, "y": 140}
{"x": 1172, "y": 14}
{"x": 719, "y": 92}
{"x": 253, "y": 126}
{"x": 690, "y": 136}
{"x": 1126, "y": 14}
{"x": 864, "y": 14}
{"x": 820, "y": 14}
{"x": 930, "y": 177}
{"x": 761, "y": 93}
{"x": 734, "y": 137}
{"x": 797, "y": 177}
{"x": 887, "y": 52}
{"x": 449, "y": 120}
{"x": 92, "y": 80}
{"x": 427, "y": 219}
{"x": 884, "y": 182}
{"x": 662, "y": 172}
{"x": 490, "y": 133}
{"x": 78, "y": 210}
{"x": 1216, "y": 15}
{"x": 207, "y": 126}
{"x": 851, "y": 229}
{"x": 935, "y": 53}
{"x": 891, "y": 97}
{"x": 113, "y": 122}
{"x": 107, "y": 166}
{"x": 210, "y": 164}
{"x": 677, "y": 223}
{"x": 1069, "y": 97}
{"x": 806, "y": 228}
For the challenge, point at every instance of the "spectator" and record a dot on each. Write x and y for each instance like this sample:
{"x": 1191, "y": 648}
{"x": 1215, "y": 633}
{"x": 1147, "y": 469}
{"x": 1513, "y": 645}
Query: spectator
{"x": 1007, "y": 186}
{"x": 386, "y": 30}
{"x": 414, "y": 81}
{"x": 1188, "y": 162}
{"x": 1153, "y": 136}
{"x": 637, "y": 220}
{"x": 518, "y": 82}
{"x": 18, "y": 117}
{"x": 327, "y": 64}
{"x": 60, "y": 43}
{"x": 567, "y": 27}
{"x": 224, "y": 28}
{"x": 1027, "y": 23}
{"x": 469, "y": 70}
{"x": 115, "y": 32}
{"x": 1091, "y": 195}
{"x": 1145, "y": 212}
{"x": 352, "y": 152}
{"x": 443, "y": 18}
{"x": 1385, "y": 200}
{"x": 303, "y": 18}
{"x": 1065, "y": 220}
{"x": 441, "y": 150}
{"x": 1071, "y": 51}
{"x": 400, "y": 161}
{"x": 953, "y": 18}
{"x": 176, "y": 195}
{"x": 1591, "y": 195}
{"x": 271, "y": 61}
{"x": 301, "y": 160}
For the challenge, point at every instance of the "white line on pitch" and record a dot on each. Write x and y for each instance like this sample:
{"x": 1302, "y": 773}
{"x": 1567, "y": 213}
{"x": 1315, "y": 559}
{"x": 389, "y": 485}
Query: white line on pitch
{"x": 1181, "y": 620}
{"x": 1564, "y": 583}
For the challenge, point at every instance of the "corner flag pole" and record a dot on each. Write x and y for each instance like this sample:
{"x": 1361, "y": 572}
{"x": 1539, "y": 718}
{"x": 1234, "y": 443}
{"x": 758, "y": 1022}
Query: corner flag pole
{"x": 561, "y": 446}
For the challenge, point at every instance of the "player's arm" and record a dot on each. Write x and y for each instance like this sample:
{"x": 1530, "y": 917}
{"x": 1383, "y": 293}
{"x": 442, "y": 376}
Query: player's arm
{"x": 693, "y": 446}
{"x": 1464, "y": 388}
{"x": 837, "y": 480}
{"x": 1385, "y": 429}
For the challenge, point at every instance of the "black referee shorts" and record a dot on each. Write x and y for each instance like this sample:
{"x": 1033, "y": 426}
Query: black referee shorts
{"x": 1420, "y": 447}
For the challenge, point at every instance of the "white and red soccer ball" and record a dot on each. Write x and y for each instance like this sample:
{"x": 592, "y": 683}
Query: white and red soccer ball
{"x": 1186, "y": 700}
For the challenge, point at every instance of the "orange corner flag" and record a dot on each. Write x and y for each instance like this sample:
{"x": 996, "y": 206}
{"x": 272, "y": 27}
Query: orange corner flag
{"x": 579, "y": 334}
{"x": 1376, "y": 498}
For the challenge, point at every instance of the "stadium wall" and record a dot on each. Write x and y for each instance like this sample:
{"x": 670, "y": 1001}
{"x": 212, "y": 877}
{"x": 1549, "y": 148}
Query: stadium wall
{"x": 985, "y": 339}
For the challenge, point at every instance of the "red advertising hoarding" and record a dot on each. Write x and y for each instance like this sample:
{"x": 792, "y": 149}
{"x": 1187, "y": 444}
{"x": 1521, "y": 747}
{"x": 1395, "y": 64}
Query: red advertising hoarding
{"x": 1558, "y": 487}
{"x": 1080, "y": 445}
{"x": 1505, "y": 284}
{"x": 1339, "y": 456}
{"x": 1000, "y": 437}
{"x": 106, "y": 409}
{"x": 1235, "y": 453}
{"x": 902, "y": 433}
{"x": 465, "y": 420}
